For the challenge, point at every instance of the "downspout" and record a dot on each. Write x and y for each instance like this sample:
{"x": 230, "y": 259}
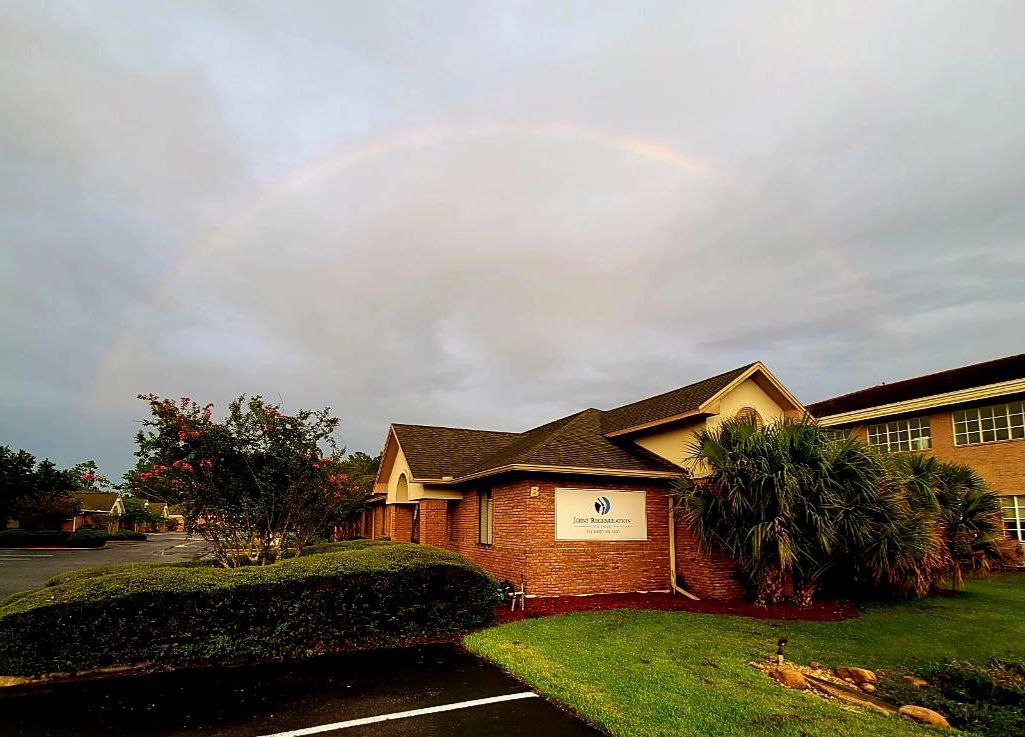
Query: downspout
{"x": 672, "y": 559}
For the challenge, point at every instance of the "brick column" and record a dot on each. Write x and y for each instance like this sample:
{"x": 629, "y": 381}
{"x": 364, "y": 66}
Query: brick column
{"x": 400, "y": 527}
{"x": 434, "y": 522}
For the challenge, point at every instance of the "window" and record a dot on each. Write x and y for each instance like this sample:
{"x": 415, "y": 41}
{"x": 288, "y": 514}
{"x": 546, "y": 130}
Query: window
{"x": 834, "y": 434}
{"x": 1014, "y": 516}
{"x": 899, "y": 435}
{"x": 485, "y": 517}
{"x": 749, "y": 415}
{"x": 989, "y": 424}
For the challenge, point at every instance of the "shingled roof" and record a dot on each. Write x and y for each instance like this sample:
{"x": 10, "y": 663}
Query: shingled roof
{"x": 582, "y": 440}
{"x": 942, "y": 382}
{"x": 676, "y": 402}
{"x": 575, "y": 442}
{"x": 95, "y": 501}
{"x": 434, "y": 452}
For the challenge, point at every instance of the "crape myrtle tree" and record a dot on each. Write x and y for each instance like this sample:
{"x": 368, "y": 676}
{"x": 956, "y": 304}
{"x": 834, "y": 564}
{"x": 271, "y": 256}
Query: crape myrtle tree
{"x": 259, "y": 484}
{"x": 799, "y": 510}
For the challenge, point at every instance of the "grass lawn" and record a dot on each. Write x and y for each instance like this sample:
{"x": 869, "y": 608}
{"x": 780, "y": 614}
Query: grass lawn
{"x": 644, "y": 673}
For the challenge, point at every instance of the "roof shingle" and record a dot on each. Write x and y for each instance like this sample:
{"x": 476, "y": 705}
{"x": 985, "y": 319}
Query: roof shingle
{"x": 671, "y": 403}
{"x": 96, "y": 501}
{"x": 576, "y": 441}
{"x": 435, "y": 452}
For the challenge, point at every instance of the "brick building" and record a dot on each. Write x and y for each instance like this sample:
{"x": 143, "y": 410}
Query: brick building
{"x": 578, "y": 505}
{"x": 972, "y": 415}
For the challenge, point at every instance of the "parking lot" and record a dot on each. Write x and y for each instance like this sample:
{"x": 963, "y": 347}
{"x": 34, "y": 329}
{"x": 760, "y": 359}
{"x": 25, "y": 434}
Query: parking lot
{"x": 28, "y": 569}
{"x": 437, "y": 690}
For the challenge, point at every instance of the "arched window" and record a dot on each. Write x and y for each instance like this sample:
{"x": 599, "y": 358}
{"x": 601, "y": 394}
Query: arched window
{"x": 402, "y": 489}
{"x": 749, "y": 414}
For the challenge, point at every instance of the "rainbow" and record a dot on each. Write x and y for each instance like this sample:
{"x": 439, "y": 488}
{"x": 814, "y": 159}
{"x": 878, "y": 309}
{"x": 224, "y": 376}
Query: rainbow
{"x": 233, "y": 229}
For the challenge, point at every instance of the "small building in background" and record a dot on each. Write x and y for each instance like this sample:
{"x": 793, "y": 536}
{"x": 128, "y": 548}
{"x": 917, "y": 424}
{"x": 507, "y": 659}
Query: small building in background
{"x": 98, "y": 510}
{"x": 973, "y": 415}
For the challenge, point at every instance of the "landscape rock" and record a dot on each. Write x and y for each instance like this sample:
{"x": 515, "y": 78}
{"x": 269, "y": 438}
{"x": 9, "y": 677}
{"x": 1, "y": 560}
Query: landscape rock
{"x": 916, "y": 681}
{"x": 868, "y": 688}
{"x": 788, "y": 676}
{"x": 923, "y": 716}
{"x": 815, "y": 664}
{"x": 856, "y": 675}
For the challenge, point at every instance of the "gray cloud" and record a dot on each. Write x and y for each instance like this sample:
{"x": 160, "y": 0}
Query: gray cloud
{"x": 490, "y": 216}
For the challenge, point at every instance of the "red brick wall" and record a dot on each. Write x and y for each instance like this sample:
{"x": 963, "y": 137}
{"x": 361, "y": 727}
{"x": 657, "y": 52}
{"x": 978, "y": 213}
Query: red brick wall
{"x": 1001, "y": 464}
{"x": 400, "y": 522}
{"x": 434, "y": 522}
{"x": 705, "y": 576}
{"x": 525, "y": 547}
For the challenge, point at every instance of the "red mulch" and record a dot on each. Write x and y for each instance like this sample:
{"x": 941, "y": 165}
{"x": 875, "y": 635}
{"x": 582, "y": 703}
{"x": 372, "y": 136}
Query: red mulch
{"x": 820, "y": 611}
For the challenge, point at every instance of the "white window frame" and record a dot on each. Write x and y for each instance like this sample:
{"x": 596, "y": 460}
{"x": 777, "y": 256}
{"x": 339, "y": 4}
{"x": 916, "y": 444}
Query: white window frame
{"x": 1014, "y": 523}
{"x": 971, "y": 426}
{"x": 901, "y": 436}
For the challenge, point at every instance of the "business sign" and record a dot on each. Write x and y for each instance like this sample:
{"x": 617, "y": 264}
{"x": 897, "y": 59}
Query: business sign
{"x": 598, "y": 514}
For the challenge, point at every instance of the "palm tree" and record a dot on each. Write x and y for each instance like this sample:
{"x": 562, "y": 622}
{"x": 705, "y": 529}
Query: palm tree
{"x": 797, "y": 509}
{"x": 971, "y": 520}
{"x": 764, "y": 503}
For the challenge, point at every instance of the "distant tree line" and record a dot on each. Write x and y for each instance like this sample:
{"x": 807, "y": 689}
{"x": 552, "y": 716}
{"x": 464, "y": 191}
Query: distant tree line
{"x": 40, "y": 495}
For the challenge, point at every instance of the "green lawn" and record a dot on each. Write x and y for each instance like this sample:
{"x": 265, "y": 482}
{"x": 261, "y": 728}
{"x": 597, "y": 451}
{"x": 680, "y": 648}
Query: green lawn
{"x": 644, "y": 673}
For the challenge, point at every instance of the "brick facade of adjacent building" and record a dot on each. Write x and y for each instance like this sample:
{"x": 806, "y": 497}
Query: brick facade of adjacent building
{"x": 1001, "y": 464}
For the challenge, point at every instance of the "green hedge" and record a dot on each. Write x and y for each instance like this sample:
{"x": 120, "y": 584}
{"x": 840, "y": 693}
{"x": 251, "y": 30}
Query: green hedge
{"x": 358, "y": 597}
{"x": 343, "y": 545}
{"x": 52, "y": 539}
{"x": 127, "y": 535}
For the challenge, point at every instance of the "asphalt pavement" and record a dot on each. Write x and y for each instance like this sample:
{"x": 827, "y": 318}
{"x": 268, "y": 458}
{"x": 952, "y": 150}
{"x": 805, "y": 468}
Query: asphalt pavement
{"x": 29, "y": 569}
{"x": 434, "y": 691}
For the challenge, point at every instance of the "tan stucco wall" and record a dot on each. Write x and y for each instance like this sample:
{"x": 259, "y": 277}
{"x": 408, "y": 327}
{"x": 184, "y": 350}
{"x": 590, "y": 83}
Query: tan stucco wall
{"x": 416, "y": 491}
{"x": 398, "y": 468}
{"x": 427, "y": 491}
{"x": 673, "y": 443}
{"x": 748, "y": 394}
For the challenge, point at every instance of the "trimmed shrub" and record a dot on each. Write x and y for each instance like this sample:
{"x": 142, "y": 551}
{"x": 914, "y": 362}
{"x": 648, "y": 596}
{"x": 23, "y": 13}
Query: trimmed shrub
{"x": 52, "y": 539}
{"x": 26, "y": 538}
{"x": 171, "y": 614}
{"x": 343, "y": 545}
{"x": 127, "y": 535}
{"x": 87, "y": 539}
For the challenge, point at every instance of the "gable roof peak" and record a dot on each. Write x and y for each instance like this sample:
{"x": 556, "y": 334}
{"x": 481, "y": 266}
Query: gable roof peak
{"x": 675, "y": 402}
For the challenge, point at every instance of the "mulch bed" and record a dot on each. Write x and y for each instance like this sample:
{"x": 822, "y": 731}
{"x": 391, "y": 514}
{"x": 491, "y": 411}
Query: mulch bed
{"x": 820, "y": 611}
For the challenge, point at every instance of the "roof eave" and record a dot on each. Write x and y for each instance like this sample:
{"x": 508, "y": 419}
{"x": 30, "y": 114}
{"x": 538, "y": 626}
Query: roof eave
{"x": 576, "y": 470}
{"x": 933, "y": 401}
{"x": 657, "y": 423}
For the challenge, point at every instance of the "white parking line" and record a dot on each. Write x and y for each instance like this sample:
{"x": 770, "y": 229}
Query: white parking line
{"x": 404, "y": 714}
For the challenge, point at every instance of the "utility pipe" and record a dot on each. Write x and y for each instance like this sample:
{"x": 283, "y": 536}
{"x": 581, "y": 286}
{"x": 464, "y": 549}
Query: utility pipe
{"x": 672, "y": 560}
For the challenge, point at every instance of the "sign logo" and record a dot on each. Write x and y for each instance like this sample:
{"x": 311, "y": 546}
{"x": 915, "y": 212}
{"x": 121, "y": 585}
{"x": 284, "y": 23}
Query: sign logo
{"x": 602, "y": 505}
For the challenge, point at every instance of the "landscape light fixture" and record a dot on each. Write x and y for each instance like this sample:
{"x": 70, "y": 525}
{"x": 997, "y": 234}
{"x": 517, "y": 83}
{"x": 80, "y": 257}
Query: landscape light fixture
{"x": 779, "y": 650}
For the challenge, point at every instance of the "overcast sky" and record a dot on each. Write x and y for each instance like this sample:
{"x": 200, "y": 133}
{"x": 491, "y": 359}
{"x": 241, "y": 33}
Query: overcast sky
{"x": 493, "y": 214}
